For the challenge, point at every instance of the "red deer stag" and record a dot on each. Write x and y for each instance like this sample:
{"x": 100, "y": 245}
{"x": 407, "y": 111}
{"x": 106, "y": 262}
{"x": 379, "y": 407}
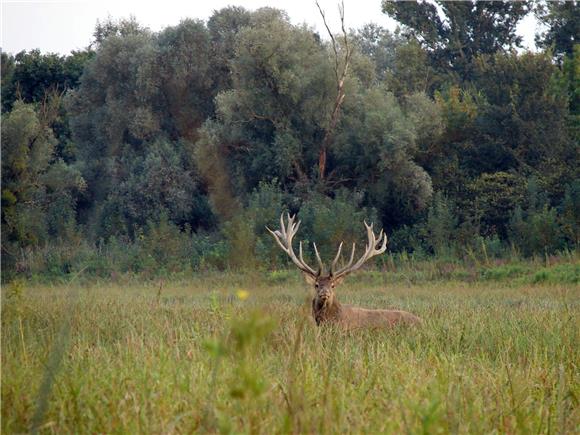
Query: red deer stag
{"x": 325, "y": 305}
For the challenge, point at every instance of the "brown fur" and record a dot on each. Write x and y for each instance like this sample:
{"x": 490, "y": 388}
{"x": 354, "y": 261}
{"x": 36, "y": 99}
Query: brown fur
{"x": 327, "y": 309}
{"x": 325, "y": 305}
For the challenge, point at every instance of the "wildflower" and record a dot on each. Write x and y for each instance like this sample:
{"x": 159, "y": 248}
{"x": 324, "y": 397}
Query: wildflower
{"x": 242, "y": 294}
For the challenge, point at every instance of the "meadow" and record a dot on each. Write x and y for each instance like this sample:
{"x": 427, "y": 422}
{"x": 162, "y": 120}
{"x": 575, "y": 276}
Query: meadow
{"x": 238, "y": 353}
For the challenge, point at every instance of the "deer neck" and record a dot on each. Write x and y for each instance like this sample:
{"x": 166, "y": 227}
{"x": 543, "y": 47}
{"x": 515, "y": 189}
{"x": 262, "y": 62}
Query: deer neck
{"x": 329, "y": 312}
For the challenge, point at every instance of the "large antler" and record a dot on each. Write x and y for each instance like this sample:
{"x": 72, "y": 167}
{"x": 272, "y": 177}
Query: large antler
{"x": 375, "y": 246}
{"x": 284, "y": 238}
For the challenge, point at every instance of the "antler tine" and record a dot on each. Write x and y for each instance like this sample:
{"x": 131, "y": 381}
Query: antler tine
{"x": 370, "y": 251}
{"x": 320, "y": 265}
{"x": 276, "y": 235}
{"x": 349, "y": 264}
{"x": 284, "y": 239}
{"x": 333, "y": 264}
{"x": 295, "y": 227}
{"x": 289, "y": 225}
{"x": 371, "y": 236}
{"x": 282, "y": 227}
{"x": 383, "y": 247}
{"x": 352, "y": 255}
{"x": 300, "y": 252}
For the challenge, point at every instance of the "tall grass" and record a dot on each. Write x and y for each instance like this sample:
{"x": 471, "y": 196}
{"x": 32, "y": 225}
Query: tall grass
{"x": 197, "y": 355}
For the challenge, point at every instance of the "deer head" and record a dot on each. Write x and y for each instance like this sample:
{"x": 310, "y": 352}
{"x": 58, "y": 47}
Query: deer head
{"x": 325, "y": 283}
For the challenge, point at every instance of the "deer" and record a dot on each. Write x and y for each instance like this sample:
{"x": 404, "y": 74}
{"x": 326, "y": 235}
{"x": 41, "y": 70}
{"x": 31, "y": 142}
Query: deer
{"x": 326, "y": 308}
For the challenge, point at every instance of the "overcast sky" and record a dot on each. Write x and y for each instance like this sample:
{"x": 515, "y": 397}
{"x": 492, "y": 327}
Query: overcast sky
{"x": 62, "y": 26}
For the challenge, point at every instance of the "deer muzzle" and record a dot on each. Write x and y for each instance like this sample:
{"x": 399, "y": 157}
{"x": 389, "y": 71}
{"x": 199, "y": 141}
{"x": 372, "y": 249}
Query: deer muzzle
{"x": 324, "y": 296}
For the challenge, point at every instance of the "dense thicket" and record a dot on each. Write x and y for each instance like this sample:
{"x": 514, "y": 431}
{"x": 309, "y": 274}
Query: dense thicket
{"x": 172, "y": 150}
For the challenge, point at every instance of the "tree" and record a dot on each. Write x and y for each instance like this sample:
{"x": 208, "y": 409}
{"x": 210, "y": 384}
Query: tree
{"x": 380, "y": 46}
{"x": 140, "y": 104}
{"x": 109, "y": 114}
{"x": 159, "y": 183}
{"x": 402, "y": 63}
{"x": 224, "y": 26}
{"x": 39, "y": 192}
{"x": 523, "y": 120}
{"x": 454, "y": 33}
{"x": 562, "y": 22}
{"x": 341, "y": 67}
{"x": 43, "y": 79}
{"x": 30, "y": 76}
{"x": 110, "y": 28}
{"x": 493, "y": 198}
{"x": 570, "y": 213}
{"x": 443, "y": 152}
{"x": 7, "y": 65}
{"x": 272, "y": 122}
{"x": 181, "y": 69}
{"x": 374, "y": 153}
{"x": 441, "y": 225}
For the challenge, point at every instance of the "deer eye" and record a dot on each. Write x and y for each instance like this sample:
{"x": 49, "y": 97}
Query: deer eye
{"x": 316, "y": 285}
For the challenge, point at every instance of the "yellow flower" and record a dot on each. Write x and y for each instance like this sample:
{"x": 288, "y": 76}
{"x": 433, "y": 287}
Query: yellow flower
{"x": 242, "y": 294}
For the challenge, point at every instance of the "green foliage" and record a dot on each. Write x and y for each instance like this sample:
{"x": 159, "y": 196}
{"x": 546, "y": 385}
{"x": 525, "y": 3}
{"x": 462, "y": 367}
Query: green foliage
{"x": 375, "y": 148}
{"x": 454, "y": 33}
{"x": 379, "y": 45}
{"x": 135, "y": 121}
{"x": 494, "y": 197}
{"x": 168, "y": 152}
{"x": 443, "y": 156}
{"x": 539, "y": 231}
{"x": 441, "y": 226}
{"x": 239, "y": 232}
{"x": 570, "y": 217}
{"x": 504, "y": 272}
{"x": 538, "y": 228}
{"x": 31, "y": 76}
{"x": 405, "y": 239}
{"x": 224, "y": 26}
{"x": 159, "y": 182}
{"x": 327, "y": 222}
{"x": 39, "y": 194}
{"x": 265, "y": 206}
{"x": 163, "y": 246}
{"x": 561, "y": 20}
{"x": 270, "y": 122}
{"x": 524, "y": 118}
{"x": 559, "y": 274}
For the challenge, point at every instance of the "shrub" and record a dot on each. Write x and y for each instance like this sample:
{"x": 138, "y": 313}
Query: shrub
{"x": 329, "y": 221}
{"x": 536, "y": 232}
{"x": 441, "y": 226}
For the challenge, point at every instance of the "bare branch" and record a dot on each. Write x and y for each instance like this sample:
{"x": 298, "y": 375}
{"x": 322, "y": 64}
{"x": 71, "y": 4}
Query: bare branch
{"x": 340, "y": 75}
{"x": 334, "y": 45}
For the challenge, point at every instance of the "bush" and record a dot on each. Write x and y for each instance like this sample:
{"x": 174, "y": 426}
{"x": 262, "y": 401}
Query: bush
{"x": 570, "y": 218}
{"x": 405, "y": 239}
{"x": 536, "y": 232}
{"x": 441, "y": 226}
{"x": 329, "y": 221}
{"x": 241, "y": 238}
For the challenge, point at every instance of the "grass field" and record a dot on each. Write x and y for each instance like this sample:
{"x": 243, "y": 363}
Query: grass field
{"x": 240, "y": 354}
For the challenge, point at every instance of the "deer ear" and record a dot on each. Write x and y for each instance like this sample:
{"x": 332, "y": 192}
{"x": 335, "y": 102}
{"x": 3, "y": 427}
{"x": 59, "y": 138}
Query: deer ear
{"x": 338, "y": 281}
{"x": 309, "y": 278}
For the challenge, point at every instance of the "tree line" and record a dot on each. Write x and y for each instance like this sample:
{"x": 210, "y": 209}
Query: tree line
{"x": 172, "y": 150}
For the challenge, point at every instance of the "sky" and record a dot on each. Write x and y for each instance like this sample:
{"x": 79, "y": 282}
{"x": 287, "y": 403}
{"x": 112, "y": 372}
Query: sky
{"x": 60, "y": 26}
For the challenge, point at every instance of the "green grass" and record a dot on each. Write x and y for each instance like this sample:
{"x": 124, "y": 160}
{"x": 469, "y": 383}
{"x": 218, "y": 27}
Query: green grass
{"x": 494, "y": 355}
